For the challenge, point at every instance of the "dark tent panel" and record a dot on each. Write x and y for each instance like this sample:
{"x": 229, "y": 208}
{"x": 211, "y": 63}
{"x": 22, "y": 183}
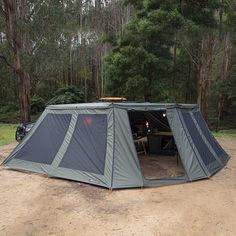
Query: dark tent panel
{"x": 215, "y": 145}
{"x": 87, "y": 148}
{"x": 204, "y": 152}
{"x": 45, "y": 142}
{"x": 198, "y": 141}
{"x": 109, "y": 144}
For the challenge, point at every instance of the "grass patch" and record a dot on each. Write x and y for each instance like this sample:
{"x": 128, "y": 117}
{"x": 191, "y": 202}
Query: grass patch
{"x": 222, "y": 133}
{"x": 7, "y": 133}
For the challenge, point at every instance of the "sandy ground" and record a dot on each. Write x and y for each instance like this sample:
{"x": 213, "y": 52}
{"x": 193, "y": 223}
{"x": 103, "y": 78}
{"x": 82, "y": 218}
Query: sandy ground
{"x": 31, "y": 204}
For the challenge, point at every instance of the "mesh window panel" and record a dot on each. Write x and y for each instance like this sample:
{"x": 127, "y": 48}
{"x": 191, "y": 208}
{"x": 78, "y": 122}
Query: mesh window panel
{"x": 202, "y": 124}
{"x": 45, "y": 142}
{"x": 199, "y": 143}
{"x": 87, "y": 148}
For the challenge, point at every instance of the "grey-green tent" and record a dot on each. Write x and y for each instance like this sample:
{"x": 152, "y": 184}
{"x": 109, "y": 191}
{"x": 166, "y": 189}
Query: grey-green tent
{"x": 93, "y": 143}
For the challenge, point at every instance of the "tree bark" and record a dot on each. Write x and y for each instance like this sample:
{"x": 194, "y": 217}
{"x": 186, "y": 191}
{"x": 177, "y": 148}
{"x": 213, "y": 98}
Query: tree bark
{"x": 174, "y": 66}
{"x": 15, "y": 11}
{"x": 188, "y": 82}
{"x": 223, "y": 77}
{"x": 205, "y": 71}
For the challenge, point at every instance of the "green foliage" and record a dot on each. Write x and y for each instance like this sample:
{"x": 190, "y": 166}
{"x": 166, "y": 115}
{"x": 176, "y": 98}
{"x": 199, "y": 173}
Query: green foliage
{"x": 141, "y": 66}
{"x": 67, "y": 95}
{"x": 9, "y": 113}
{"x": 37, "y": 104}
{"x": 7, "y": 84}
{"x": 228, "y": 87}
{"x": 201, "y": 12}
{"x": 142, "y": 57}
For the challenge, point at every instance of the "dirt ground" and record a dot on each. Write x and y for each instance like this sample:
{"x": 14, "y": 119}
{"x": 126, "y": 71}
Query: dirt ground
{"x": 157, "y": 167}
{"x": 31, "y": 204}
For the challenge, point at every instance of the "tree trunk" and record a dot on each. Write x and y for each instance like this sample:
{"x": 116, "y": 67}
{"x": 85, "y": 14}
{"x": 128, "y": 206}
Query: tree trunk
{"x": 174, "y": 66}
{"x": 24, "y": 96}
{"x": 223, "y": 76}
{"x": 188, "y": 82}
{"x": 98, "y": 72}
{"x": 205, "y": 71}
{"x": 17, "y": 40}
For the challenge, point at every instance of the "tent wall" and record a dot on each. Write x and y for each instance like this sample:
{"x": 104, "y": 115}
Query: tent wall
{"x": 126, "y": 168}
{"x": 73, "y": 145}
{"x": 61, "y": 146}
{"x": 199, "y": 151}
{"x": 50, "y": 134}
{"x": 217, "y": 149}
{"x": 202, "y": 149}
{"x": 193, "y": 165}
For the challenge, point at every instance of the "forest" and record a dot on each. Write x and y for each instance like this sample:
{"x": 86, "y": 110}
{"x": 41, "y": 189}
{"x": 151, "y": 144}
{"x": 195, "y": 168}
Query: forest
{"x": 72, "y": 51}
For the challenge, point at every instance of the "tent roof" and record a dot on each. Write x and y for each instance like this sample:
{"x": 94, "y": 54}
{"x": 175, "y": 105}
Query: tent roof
{"x": 124, "y": 105}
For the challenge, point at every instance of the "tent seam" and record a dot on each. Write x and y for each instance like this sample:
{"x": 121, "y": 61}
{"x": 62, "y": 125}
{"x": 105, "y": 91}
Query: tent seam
{"x": 113, "y": 156}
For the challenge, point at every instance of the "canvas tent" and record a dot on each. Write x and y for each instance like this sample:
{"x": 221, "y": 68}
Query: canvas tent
{"x": 93, "y": 143}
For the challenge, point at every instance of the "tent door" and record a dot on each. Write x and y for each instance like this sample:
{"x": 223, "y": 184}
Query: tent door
{"x": 155, "y": 147}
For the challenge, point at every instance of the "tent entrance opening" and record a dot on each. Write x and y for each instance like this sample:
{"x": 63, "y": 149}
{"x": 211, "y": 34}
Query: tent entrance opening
{"x": 155, "y": 145}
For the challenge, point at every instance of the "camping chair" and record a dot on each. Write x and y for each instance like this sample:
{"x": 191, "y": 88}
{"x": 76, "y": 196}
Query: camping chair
{"x": 140, "y": 145}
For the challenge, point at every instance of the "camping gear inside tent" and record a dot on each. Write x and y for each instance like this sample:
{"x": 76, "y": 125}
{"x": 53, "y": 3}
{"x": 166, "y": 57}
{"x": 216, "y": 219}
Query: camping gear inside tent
{"x": 120, "y": 145}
